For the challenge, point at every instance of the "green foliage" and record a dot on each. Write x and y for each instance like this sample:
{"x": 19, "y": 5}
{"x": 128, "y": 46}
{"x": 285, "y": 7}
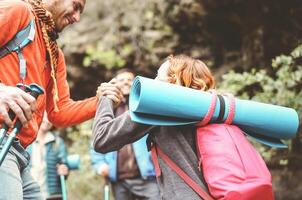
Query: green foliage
{"x": 131, "y": 33}
{"x": 108, "y": 58}
{"x": 282, "y": 87}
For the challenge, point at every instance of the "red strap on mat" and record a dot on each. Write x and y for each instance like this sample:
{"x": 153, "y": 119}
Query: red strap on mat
{"x": 231, "y": 113}
{"x": 211, "y": 110}
{"x": 199, "y": 190}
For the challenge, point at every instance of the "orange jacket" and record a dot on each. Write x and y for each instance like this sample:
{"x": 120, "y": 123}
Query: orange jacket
{"x": 14, "y": 16}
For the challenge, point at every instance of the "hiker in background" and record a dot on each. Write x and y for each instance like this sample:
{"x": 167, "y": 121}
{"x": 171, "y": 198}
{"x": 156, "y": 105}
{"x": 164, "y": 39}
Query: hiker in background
{"x": 48, "y": 160}
{"x": 42, "y": 62}
{"x": 129, "y": 169}
{"x": 110, "y": 133}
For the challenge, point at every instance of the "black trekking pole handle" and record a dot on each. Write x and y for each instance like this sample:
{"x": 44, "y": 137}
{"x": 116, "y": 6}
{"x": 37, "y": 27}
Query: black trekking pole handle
{"x": 11, "y": 114}
{"x": 35, "y": 91}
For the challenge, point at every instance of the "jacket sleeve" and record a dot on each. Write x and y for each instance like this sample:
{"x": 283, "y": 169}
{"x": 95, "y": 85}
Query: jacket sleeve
{"x": 111, "y": 134}
{"x": 70, "y": 112}
{"x": 97, "y": 159}
{"x": 14, "y": 16}
{"x": 62, "y": 153}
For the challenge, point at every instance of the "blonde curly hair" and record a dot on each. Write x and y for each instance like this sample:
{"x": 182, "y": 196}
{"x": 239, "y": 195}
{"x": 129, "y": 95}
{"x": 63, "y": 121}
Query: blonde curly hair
{"x": 189, "y": 72}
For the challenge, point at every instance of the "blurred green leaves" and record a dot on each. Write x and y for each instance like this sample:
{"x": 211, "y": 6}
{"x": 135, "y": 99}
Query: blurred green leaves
{"x": 108, "y": 58}
{"x": 130, "y": 34}
{"x": 280, "y": 84}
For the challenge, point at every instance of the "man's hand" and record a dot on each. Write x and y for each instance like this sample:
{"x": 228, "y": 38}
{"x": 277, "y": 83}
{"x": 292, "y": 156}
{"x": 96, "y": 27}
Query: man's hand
{"x": 103, "y": 170}
{"x": 62, "y": 169}
{"x": 20, "y": 102}
{"x": 112, "y": 91}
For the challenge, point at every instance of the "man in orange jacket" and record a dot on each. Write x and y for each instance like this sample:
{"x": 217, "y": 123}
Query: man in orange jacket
{"x": 45, "y": 66}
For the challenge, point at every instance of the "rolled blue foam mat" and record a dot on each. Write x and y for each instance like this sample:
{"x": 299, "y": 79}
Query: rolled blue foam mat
{"x": 159, "y": 103}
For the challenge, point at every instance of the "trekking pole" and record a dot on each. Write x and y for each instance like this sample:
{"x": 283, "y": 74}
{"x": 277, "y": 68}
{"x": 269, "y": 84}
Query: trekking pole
{"x": 35, "y": 91}
{"x": 11, "y": 114}
{"x": 106, "y": 189}
{"x": 73, "y": 163}
{"x": 4, "y": 127}
{"x": 63, "y": 187}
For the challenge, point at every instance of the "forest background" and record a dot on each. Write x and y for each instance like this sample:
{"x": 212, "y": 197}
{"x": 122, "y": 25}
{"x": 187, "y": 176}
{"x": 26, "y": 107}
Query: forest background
{"x": 253, "y": 47}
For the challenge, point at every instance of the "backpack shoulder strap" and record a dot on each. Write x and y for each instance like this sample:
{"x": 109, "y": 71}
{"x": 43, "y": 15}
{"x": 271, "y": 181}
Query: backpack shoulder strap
{"x": 21, "y": 39}
{"x": 187, "y": 179}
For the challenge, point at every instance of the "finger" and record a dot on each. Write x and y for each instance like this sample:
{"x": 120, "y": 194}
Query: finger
{"x": 112, "y": 92}
{"x": 98, "y": 93}
{"x": 18, "y": 111}
{"x": 106, "y": 87}
{"x": 107, "y": 92}
{"x": 105, "y": 84}
{"x": 99, "y": 88}
{"x": 118, "y": 98}
{"x": 102, "y": 90}
{"x": 113, "y": 98}
{"x": 118, "y": 93}
{"x": 111, "y": 87}
{"x": 118, "y": 85}
{"x": 113, "y": 81}
{"x": 30, "y": 100}
{"x": 119, "y": 89}
{"x": 110, "y": 84}
{"x": 25, "y": 107}
{"x": 121, "y": 95}
{"x": 6, "y": 118}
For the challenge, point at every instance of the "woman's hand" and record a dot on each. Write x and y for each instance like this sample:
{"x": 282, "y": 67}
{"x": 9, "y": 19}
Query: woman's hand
{"x": 111, "y": 90}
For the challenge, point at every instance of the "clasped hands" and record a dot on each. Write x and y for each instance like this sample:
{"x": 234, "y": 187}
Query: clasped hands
{"x": 23, "y": 104}
{"x": 111, "y": 90}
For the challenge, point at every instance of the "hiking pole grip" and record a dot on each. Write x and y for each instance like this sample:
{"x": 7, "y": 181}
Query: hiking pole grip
{"x": 35, "y": 91}
{"x": 11, "y": 114}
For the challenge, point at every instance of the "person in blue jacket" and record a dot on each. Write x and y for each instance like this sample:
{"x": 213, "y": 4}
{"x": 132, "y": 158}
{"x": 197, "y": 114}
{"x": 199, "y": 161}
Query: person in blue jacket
{"x": 130, "y": 169}
{"x": 48, "y": 160}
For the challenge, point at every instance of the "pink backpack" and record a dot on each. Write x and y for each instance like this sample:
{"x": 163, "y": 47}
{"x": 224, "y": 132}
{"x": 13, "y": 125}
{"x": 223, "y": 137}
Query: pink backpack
{"x": 232, "y": 168}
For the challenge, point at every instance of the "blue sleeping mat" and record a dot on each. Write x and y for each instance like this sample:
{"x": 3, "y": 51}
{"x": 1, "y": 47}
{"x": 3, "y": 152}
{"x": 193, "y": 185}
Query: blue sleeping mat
{"x": 159, "y": 103}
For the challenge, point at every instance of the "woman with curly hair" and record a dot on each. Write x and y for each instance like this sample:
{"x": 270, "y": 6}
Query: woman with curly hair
{"x": 178, "y": 142}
